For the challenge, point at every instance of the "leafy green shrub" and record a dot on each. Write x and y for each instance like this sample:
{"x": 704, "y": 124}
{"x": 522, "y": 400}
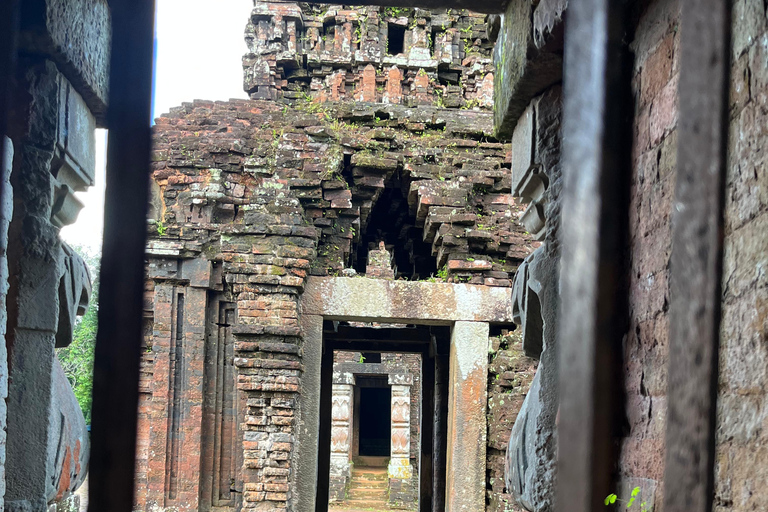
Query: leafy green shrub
{"x": 77, "y": 358}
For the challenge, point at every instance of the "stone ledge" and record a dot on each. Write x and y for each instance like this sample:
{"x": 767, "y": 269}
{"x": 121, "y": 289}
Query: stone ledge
{"x": 527, "y": 59}
{"x": 360, "y": 299}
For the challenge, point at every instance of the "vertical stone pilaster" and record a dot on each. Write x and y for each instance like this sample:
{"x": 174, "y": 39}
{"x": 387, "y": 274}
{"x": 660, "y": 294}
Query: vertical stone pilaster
{"x": 467, "y": 400}
{"x": 33, "y": 249}
{"x": 304, "y": 476}
{"x": 399, "y": 462}
{"x": 341, "y": 435}
{"x": 400, "y": 471}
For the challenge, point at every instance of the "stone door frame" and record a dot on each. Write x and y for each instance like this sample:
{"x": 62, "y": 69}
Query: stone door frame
{"x": 467, "y": 309}
{"x": 343, "y": 422}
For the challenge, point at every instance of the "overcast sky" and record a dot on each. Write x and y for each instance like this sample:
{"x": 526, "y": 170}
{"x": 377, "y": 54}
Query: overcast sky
{"x": 200, "y": 45}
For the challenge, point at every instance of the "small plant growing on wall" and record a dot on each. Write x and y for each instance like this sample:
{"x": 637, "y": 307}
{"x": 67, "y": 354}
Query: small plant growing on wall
{"x": 613, "y": 499}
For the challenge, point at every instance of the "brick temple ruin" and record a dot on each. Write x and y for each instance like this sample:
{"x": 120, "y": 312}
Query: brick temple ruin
{"x": 394, "y": 188}
{"x": 377, "y": 192}
{"x": 316, "y": 217}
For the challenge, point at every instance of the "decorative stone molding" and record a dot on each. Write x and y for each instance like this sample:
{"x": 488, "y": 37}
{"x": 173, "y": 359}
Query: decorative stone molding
{"x": 341, "y": 431}
{"x": 399, "y": 462}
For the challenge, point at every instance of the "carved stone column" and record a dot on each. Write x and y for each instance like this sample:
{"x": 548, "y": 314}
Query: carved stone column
{"x": 399, "y": 462}
{"x": 341, "y": 435}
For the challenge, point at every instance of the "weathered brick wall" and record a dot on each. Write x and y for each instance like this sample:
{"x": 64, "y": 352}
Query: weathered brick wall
{"x": 656, "y": 48}
{"x": 742, "y": 431}
{"x": 510, "y": 374}
{"x": 392, "y": 55}
{"x": 742, "y": 458}
{"x": 249, "y": 198}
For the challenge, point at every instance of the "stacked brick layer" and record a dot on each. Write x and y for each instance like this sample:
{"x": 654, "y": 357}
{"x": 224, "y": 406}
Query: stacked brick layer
{"x": 510, "y": 374}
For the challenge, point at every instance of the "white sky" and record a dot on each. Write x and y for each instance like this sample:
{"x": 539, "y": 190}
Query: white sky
{"x": 200, "y": 45}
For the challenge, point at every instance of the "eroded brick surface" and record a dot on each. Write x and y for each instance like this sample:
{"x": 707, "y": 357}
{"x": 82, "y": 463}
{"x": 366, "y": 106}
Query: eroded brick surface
{"x": 656, "y": 48}
{"x": 741, "y": 458}
{"x": 742, "y": 429}
{"x": 510, "y": 374}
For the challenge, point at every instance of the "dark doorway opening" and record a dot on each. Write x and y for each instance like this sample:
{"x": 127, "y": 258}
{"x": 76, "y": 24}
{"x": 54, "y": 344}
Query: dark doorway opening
{"x": 395, "y": 39}
{"x": 375, "y": 421}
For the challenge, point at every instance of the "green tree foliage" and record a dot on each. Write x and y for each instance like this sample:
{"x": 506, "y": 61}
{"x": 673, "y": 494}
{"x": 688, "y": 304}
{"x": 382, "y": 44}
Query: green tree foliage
{"x": 77, "y": 358}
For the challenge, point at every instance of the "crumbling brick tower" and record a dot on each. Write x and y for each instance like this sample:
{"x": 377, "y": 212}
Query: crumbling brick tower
{"x": 364, "y": 126}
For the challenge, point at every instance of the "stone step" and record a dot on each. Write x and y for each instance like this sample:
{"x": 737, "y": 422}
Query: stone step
{"x": 367, "y": 473}
{"x": 357, "y": 484}
{"x": 367, "y": 504}
{"x": 367, "y": 477}
{"x": 382, "y": 482}
{"x": 369, "y": 484}
{"x": 371, "y": 469}
{"x": 370, "y": 461}
{"x": 368, "y": 493}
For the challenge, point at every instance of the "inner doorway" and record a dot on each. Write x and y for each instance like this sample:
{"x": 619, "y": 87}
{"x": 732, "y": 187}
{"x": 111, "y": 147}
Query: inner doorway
{"x": 386, "y": 430}
{"x": 374, "y": 421}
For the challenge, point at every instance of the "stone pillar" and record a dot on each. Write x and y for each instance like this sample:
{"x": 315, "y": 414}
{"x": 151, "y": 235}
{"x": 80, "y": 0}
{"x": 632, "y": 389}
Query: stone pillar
{"x": 304, "y": 458}
{"x": 178, "y": 344}
{"x": 467, "y": 399}
{"x": 400, "y": 471}
{"x": 400, "y": 461}
{"x": 341, "y": 435}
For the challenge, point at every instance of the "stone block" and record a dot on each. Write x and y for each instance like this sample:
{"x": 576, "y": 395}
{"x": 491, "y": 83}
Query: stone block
{"x": 76, "y": 34}
{"x": 663, "y": 115}
{"x": 657, "y": 69}
{"x": 523, "y": 147}
{"x": 6, "y": 213}
{"x": 198, "y": 272}
{"x": 749, "y": 22}
{"x": 746, "y": 253}
{"x": 521, "y": 69}
{"x": 360, "y": 299}
{"x": 76, "y": 139}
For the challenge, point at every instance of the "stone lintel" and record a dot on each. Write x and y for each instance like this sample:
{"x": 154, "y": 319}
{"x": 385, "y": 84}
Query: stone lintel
{"x": 374, "y": 300}
{"x": 343, "y": 377}
{"x": 400, "y": 379}
{"x": 362, "y": 368}
{"x": 484, "y": 6}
